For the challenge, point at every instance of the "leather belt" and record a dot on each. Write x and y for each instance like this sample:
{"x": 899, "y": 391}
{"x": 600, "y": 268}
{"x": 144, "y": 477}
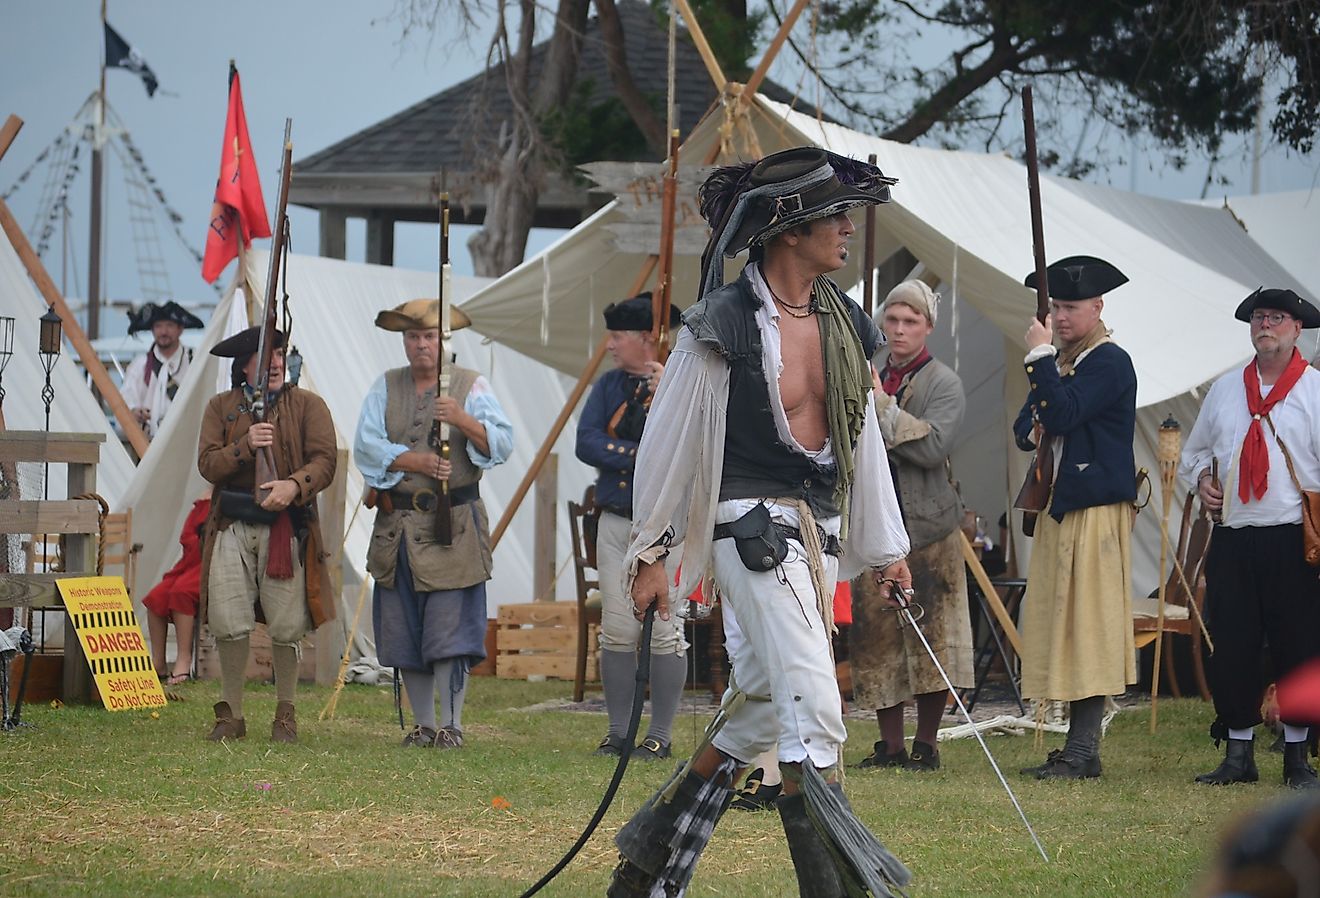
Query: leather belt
{"x": 619, "y": 510}
{"x": 829, "y": 543}
{"x": 424, "y": 500}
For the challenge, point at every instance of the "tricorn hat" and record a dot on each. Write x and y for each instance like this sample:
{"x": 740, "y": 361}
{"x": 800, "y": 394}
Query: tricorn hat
{"x": 748, "y": 203}
{"x": 420, "y": 315}
{"x": 636, "y": 314}
{"x": 149, "y": 313}
{"x": 1079, "y": 277}
{"x": 243, "y": 343}
{"x": 1284, "y": 301}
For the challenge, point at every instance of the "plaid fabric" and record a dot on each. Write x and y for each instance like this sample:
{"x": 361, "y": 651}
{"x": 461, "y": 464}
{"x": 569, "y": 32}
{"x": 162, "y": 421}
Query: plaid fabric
{"x": 692, "y": 832}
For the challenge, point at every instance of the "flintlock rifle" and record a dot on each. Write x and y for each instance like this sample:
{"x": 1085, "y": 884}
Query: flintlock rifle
{"x": 440, "y": 429}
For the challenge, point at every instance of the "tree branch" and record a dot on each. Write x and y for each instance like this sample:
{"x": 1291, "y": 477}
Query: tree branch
{"x": 616, "y": 60}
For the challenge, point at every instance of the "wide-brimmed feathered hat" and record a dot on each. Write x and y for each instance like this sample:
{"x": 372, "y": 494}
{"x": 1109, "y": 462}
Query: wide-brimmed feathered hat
{"x": 1079, "y": 277}
{"x": 748, "y": 203}
{"x": 149, "y": 313}
{"x": 1283, "y": 301}
{"x": 636, "y": 314}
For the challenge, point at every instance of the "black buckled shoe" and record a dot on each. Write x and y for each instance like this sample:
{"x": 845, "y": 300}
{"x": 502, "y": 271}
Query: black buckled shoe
{"x": 1238, "y": 766}
{"x": 755, "y": 795}
{"x": 924, "y": 758}
{"x": 1297, "y": 771}
{"x": 651, "y": 750}
{"x": 610, "y": 747}
{"x": 881, "y": 756}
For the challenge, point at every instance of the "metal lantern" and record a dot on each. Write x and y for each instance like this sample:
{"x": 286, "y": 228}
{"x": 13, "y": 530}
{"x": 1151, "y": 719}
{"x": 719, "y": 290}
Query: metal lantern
{"x": 6, "y": 351}
{"x": 48, "y": 349}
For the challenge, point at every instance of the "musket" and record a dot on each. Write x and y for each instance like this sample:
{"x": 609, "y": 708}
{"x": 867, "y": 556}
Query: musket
{"x": 663, "y": 297}
{"x": 1035, "y": 491}
{"x": 440, "y": 429}
{"x": 265, "y": 461}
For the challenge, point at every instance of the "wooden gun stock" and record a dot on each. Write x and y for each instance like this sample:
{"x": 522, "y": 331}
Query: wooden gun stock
{"x": 444, "y": 530}
{"x": 1216, "y": 516}
{"x": 1035, "y": 492}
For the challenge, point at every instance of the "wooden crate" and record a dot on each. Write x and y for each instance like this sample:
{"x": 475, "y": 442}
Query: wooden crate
{"x": 540, "y": 640}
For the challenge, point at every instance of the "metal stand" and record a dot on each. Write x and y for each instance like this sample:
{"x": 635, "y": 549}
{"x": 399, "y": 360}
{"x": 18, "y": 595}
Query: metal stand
{"x": 994, "y": 646}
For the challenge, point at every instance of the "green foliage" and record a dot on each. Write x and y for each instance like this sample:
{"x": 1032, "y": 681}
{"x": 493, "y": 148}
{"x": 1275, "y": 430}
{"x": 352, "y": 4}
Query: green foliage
{"x": 595, "y": 125}
{"x": 731, "y": 30}
{"x": 127, "y": 805}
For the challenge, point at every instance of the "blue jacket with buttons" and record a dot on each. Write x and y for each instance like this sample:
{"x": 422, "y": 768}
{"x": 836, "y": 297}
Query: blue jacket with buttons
{"x": 612, "y": 457}
{"x": 1094, "y": 409}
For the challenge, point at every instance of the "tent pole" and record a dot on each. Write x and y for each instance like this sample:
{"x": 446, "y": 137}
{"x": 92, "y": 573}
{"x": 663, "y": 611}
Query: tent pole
{"x": 703, "y": 47}
{"x": 8, "y": 132}
{"x": 73, "y": 331}
{"x": 557, "y": 428}
{"x": 772, "y": 51}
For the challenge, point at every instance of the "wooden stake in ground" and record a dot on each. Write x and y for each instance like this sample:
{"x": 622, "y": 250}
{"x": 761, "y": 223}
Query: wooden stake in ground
{"x": 1168, "y": 448}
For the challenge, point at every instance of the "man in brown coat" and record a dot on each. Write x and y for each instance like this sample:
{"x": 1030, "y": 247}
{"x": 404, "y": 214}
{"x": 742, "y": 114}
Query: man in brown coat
{"x": 268, "y": 553}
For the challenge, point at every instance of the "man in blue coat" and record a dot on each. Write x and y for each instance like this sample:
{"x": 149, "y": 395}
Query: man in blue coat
{"x": 1077, "y": 614}
{"x": 608, "y": 434}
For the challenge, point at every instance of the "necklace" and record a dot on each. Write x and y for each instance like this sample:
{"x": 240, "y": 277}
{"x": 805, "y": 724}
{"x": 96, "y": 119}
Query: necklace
{"x": 795, "y": 311}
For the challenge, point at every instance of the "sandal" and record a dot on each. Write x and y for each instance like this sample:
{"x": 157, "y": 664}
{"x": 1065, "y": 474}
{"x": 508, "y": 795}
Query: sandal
{"x": 176, "y": 679}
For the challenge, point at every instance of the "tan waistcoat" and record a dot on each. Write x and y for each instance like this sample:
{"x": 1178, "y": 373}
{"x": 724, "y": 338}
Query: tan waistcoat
{"x": 467, "y": 560}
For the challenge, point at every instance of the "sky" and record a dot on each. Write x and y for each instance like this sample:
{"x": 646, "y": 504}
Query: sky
{"x": 335, "y": 67}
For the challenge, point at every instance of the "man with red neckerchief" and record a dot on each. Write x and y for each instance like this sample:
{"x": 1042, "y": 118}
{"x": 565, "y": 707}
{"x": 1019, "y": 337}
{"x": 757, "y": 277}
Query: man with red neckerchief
{"x": 1259, "y": 589}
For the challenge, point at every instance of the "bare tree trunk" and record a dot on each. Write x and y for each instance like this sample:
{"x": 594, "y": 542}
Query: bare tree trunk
{"x": 644, "y": 117}
{"x": 515, "y": 182}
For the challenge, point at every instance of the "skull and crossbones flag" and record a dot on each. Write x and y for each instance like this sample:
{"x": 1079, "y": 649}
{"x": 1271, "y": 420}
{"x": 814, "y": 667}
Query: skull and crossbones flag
{"x": 118, "y": 54}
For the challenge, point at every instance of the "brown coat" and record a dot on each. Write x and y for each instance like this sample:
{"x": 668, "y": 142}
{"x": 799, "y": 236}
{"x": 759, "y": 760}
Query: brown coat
{"x": 304, "y": 451}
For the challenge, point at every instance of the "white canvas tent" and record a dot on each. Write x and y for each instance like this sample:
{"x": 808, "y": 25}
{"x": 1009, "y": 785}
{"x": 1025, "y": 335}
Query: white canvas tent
{"x": 964, "y": 216}
{"x": 334, "y": 304}
{"x": 1286, "y": 224}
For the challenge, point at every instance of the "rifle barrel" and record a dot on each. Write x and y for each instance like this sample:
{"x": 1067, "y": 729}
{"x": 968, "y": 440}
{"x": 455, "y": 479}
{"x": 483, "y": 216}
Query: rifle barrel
{"x": 1033, "y": 195}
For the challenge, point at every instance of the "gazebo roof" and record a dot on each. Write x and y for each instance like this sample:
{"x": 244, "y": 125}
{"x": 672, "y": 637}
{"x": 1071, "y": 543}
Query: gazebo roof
{"x": 392, "y": 165}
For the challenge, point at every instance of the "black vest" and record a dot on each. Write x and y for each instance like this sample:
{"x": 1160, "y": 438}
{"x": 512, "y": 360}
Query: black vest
{"x": 757, "y": 464}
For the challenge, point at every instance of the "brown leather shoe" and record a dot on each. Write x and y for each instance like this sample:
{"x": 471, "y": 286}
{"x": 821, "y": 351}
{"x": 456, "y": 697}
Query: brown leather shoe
{"x": 284, "y": 728}
{"x": 226, "y": 725}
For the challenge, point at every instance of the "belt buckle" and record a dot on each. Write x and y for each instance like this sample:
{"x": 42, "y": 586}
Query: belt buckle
{"x": 423, "y": 500}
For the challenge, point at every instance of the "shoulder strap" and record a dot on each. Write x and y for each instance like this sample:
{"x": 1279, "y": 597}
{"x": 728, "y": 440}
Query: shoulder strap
{"x": 1287, "y": 456}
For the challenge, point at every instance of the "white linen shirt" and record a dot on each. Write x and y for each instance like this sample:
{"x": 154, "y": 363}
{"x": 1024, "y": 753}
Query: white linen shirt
{"x": 680, "y": 463}
{"x": 1220, "y": 429}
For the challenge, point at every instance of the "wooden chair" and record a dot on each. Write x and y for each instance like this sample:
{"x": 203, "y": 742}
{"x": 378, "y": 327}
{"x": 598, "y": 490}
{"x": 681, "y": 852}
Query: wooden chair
{"x": 118, "y": 549}
{"x": 584, "y": 572}
{"x": 1191, "y": 549}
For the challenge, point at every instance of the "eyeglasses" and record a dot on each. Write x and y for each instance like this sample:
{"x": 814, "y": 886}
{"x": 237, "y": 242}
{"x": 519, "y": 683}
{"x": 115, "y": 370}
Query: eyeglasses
{"x": 1274, "y": 318}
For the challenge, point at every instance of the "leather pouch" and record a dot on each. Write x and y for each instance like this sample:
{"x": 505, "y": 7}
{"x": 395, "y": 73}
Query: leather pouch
{"x": 238, "y": 505}
{"x": 760, "y": 544}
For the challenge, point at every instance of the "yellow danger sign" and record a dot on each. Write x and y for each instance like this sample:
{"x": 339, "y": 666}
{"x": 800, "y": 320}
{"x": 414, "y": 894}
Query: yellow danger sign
{"x": 102, "y": 613}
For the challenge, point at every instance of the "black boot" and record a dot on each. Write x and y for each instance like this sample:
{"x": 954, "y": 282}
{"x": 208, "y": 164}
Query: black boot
{"x": 1080, "y": 758}
{"x": 1297, "y": 771}
{"x": 1238, "y": 766}
{"x": 817, "y": 875}
{"x": 645, "y": 841}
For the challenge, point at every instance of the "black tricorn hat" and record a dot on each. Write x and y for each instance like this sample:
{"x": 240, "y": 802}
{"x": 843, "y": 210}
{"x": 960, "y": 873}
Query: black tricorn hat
{"x": 1284, "y": 301}
{"x": 149, "y": 313}
{"x": 783, "y": 190}
{"x": 1079, "y": 277}
{"x": 243, "y": 343}
{"x": 636, "y": 314}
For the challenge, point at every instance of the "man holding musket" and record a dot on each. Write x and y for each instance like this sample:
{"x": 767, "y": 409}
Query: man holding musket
{"x": 609, "y": 430}
{"x": 429, "y": 607}
{"x": 1077, "y": 614}
{"x": 762, "y": 458}
{"x": 268, "y": 554}
{"x": 1264, "y": 422}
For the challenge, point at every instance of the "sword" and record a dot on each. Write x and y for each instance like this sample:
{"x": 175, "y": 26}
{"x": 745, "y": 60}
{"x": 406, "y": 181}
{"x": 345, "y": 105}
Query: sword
{"x": 904, "y": 599}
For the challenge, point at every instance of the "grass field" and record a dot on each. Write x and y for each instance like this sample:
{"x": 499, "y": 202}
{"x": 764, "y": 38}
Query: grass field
{"x": 125, "y": 804}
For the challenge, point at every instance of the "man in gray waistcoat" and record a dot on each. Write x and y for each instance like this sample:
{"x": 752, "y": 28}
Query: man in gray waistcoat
{"x": 429, "y": 607}
{"x": 920, "y": 403}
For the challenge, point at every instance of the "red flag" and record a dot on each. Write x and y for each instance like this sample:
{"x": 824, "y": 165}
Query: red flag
{"x": 239, "y": 212}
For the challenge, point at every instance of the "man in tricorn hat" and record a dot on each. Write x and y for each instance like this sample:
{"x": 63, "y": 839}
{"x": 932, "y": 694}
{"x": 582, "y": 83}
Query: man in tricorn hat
{"x": 268, "y": 553}
{"x": 763, "y": 459}
{"x": 1077, "y": 643}
{"x": 152, "y": 379}
{"x": 609, "y": 431}
{"x": 430, "y": 602}
{"x": 1263, "y": 425}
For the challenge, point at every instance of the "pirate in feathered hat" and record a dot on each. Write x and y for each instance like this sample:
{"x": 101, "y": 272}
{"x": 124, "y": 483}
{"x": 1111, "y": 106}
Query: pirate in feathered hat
{"x": 153, "y": 378}
{"x": 762, "y": 459}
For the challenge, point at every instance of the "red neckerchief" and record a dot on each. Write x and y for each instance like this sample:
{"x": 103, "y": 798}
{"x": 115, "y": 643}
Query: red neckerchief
{"x": 1254, "y": 476}
{"x": 892, "y": 378}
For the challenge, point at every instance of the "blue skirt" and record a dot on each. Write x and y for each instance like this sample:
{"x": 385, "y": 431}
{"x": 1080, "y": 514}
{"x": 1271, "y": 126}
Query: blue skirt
{"x": 415, "y": 630}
